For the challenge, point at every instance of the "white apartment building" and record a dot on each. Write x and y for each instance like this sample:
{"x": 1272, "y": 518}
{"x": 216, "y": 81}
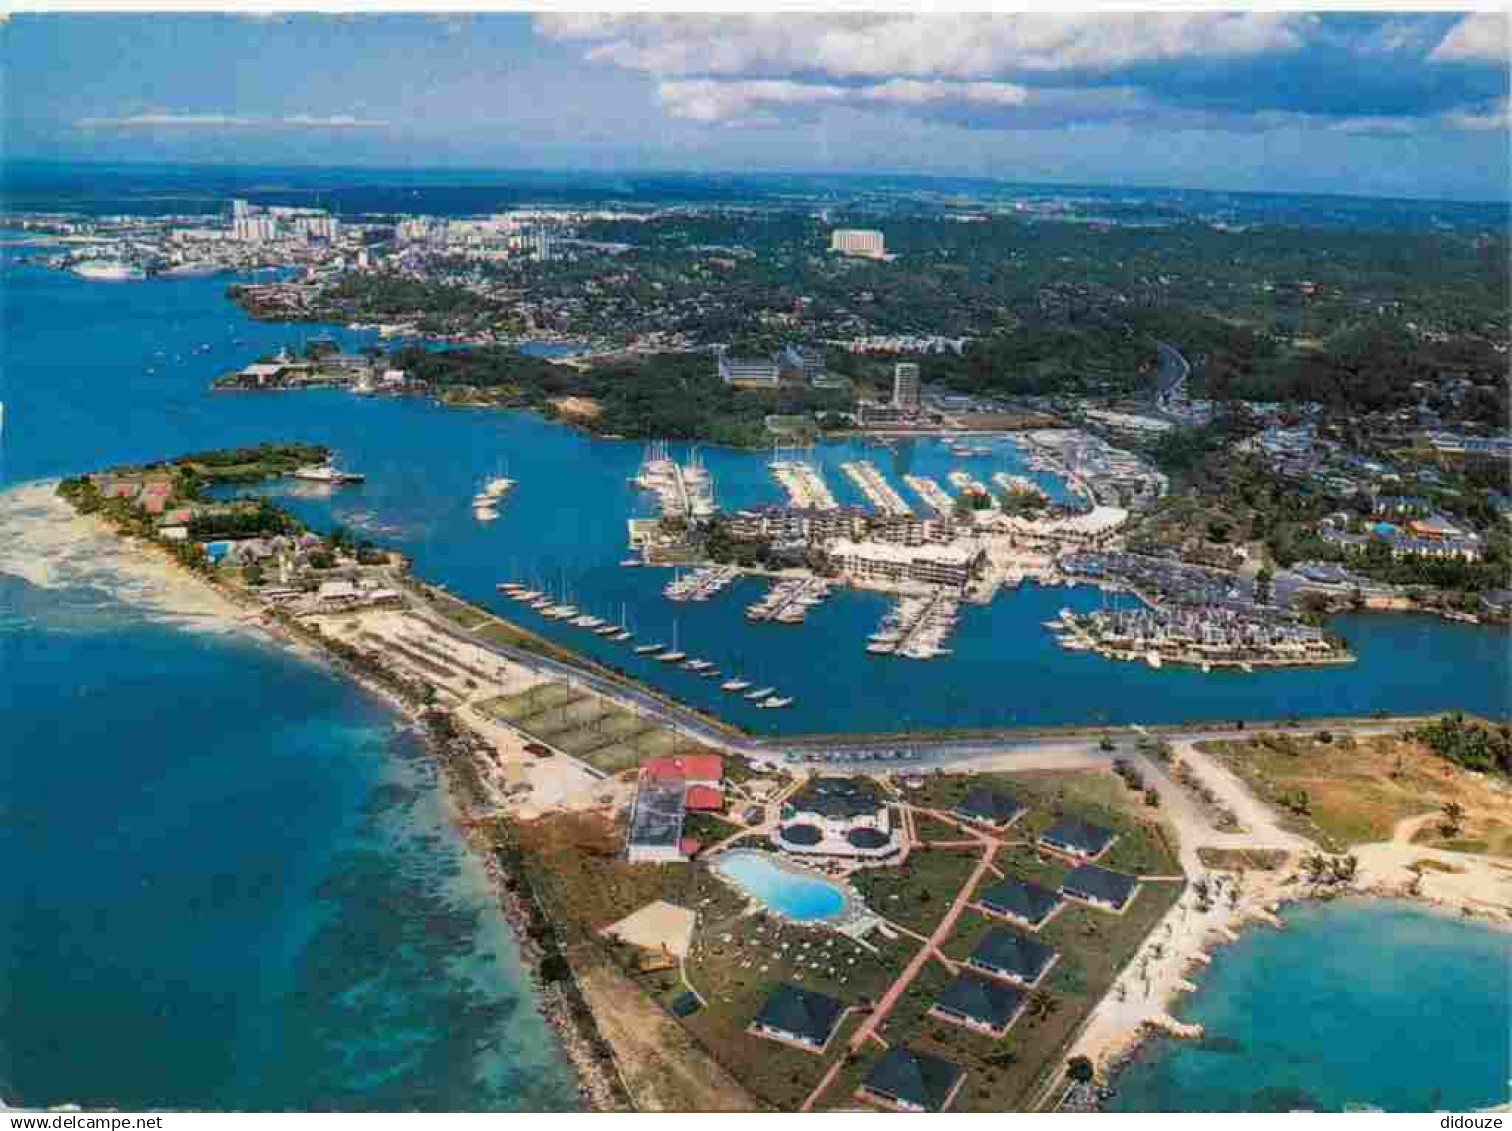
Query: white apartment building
{"x": 888, "y": 563}
{"x": 906, "y": 386}
{"x": 866, "y": 242}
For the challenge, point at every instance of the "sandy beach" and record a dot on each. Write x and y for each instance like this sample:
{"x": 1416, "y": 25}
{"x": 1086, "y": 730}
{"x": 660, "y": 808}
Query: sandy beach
{"x": 1217, "y": 905}
{"x": 45, "y": 542}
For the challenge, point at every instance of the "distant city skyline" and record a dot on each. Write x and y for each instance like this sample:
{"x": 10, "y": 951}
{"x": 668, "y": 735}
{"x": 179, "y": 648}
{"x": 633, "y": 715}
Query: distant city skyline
{"x": 1377, "y": 104}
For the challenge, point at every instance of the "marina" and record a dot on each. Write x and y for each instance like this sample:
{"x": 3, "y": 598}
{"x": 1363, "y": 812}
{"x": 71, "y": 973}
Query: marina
{"x": 788, "y": 602}
{"x": 878, "y": 491}
{"x": 934, "y": 496}
{"x": 803, "y": 482}
{"x": 681, "y": 490}
{"x": 1018, "y": 485}
{"x": 917, "y": 627}
{"x": 700, "y": 584}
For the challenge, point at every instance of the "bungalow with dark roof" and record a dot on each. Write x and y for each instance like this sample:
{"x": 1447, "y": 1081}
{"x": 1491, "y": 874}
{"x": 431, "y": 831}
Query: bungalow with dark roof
{"x": 907, "y": 1080}
{"x": 985, "y": 806}
{"x": 1111, "y": 891}
{"x": 1014, "y": 957}
{"x": 983, "y": 1004}
{"x": 1023, "y": 901}
{"x": 1075, "y": 837}
{"x": 799, "y": 1017}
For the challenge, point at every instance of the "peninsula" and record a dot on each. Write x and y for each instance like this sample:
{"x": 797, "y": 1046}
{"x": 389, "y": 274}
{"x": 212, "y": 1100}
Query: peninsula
{"x": 724, "y": 922}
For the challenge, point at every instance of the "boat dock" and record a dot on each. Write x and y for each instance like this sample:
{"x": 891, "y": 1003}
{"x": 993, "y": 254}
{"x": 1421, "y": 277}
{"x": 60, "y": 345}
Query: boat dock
{"x": 916, "y": 628}
{"x": 1018, "y": 484}
{"x": 804, "y": 484}
{"x": 878, "y": 491}
{"x": 701, "y": 584}
{"x": 788, "y": 602}
{"x": 961, "y": 481}
{"x": 681, "y": 491}
{"x": 934, "y": 496}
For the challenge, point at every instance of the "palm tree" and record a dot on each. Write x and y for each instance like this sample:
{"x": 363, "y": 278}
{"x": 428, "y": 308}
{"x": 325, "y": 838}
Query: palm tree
{"x": 1454, "y": 818}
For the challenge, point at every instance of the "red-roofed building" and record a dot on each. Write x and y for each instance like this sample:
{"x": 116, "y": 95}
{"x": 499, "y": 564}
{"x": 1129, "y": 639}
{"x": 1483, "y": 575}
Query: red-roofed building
{"x": 154, "y": 504}
{"x": 706, "y": 769}
{"x": 704, "y": 799}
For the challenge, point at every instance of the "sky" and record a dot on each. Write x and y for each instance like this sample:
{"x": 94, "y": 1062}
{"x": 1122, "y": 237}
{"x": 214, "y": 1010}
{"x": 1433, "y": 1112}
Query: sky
{"x": 1380, "y": 104}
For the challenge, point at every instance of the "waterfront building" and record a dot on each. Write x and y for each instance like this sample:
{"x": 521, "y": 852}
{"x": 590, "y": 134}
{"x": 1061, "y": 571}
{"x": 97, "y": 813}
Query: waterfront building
{"x": 255, "y": 229}
{"x": 906, "y": 386}
{"x": 992, "y": 807}
{"x": 1012, "y": 956}
{"x": 808, "y": 362}
{"x": 833, "y": 816}
{"x": 914, "y": 530}
{"x": 1075, "y": 837}
{"x": 907, "y": 1080}
{"x": 985, "y": 1005}
{"x": 951, "y": 566}
{"x": 796, "y": 1016}
{"x": 1023, "y": 901}
{"x": 866, "y": 243}
{"x": 792, "y": 525}
{"x": 1090, "y": 530}
{"x": 1100, "y": 887}
{"x": 748, "y": 372}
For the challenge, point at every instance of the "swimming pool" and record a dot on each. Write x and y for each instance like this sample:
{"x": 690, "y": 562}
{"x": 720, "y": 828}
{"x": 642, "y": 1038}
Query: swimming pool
{"x": 792, "y": 894}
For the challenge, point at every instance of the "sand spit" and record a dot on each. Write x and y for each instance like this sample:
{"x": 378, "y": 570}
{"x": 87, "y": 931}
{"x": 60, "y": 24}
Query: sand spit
{"x": 45, "y": 542}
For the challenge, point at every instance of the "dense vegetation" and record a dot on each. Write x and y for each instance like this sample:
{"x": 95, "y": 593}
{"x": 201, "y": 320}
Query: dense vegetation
{"x": 1470, "y": 743}
{"x": 668, "y": 396}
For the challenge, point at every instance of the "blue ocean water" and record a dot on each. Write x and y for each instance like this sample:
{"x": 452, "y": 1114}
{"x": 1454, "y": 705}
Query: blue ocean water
{"x": 233, "y": 885}
{"x": 80, "y": 397}
{"x": 237, "y": 886}
{"x": 800, "y": 898}
{"x": 1355, "y": 1002}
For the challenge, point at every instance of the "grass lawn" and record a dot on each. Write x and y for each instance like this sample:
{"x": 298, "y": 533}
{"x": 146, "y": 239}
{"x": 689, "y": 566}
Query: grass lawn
{"x": 1358, "y": 789}
{"x": 737, "y": 964}
{"x": 917, "y": 894}
{"x": 1099, "y": 796}
{"x": 1093, "y": 946}
{"x": 581, "y": 873}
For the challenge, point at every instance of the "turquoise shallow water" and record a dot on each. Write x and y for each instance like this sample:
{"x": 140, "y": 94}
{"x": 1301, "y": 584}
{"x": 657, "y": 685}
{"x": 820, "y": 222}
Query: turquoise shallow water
{"x": 236, "y": 886}
{"x": 1356, "y": 1002}
{"x": 232, "y": 884}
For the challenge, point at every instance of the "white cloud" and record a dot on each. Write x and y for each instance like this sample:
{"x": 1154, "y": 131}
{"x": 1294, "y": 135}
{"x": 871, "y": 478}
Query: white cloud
{"x": 765, "y": 103}
{"x": 154, "y": 120}
{"x": 957, "y": 46}
{"x": 1478, "y": 38}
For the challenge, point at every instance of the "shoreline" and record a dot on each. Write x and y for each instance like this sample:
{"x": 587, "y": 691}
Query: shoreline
{"x": 158, "y": 584}
{"x": 1111, "y": 1035}
{"x": 1114, "y": 1039}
